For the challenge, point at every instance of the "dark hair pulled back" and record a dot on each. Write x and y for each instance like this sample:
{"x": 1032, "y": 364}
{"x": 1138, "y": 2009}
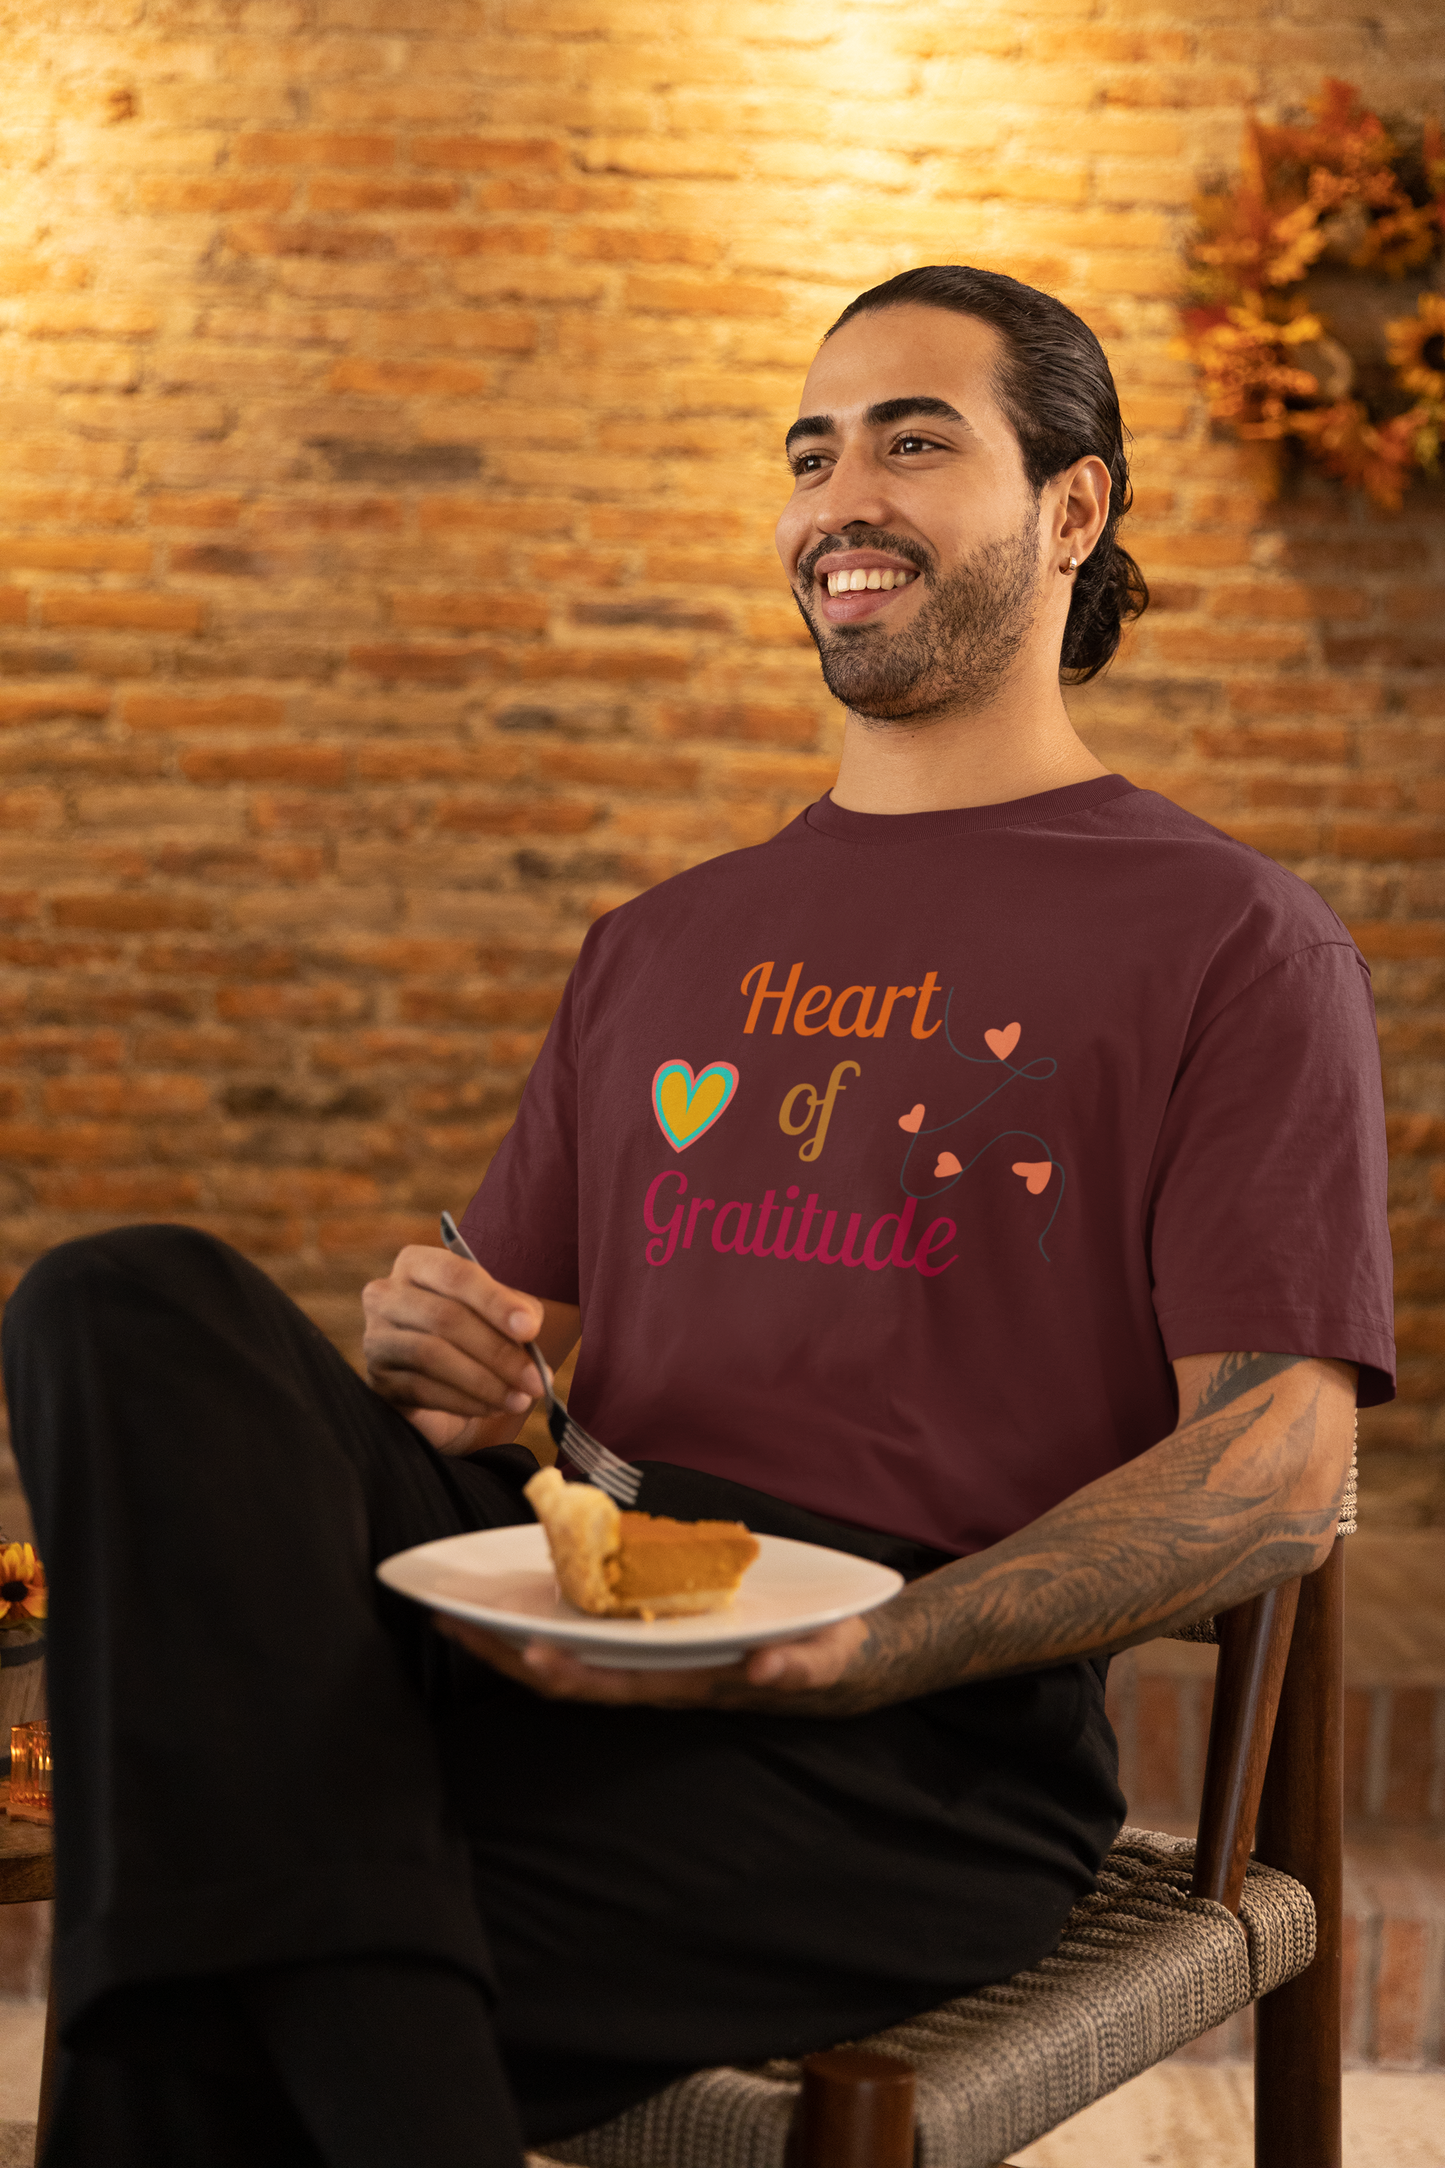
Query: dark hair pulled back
{"x": 1057, "y": 391}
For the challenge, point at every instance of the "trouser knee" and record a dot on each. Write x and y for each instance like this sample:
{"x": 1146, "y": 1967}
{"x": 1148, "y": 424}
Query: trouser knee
{"x": 49, "y": 1292}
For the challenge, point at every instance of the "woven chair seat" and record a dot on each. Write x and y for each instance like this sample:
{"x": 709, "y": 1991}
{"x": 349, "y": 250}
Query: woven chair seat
{"x": 1141, "y": 1968}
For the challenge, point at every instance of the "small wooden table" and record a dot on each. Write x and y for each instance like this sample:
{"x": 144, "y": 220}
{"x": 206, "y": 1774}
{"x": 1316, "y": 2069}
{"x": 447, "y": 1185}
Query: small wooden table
{"x": 27, "y": 1857}
{"x": 27, "y": 1876}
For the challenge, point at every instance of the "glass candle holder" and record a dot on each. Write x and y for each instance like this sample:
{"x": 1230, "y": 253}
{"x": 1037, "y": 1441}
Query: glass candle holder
{"x": 30, "y": 1798}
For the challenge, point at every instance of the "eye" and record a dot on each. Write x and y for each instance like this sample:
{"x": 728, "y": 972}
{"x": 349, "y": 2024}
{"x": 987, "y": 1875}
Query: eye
{"x": 807, "y": 463}
{"x": 912, "y": 445}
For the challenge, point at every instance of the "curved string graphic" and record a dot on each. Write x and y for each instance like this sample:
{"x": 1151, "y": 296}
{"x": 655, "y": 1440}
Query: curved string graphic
{"x": 1037, "y": 1071}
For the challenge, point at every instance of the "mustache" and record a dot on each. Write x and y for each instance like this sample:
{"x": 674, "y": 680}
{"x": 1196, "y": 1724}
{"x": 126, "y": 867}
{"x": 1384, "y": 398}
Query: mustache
{"x": 870, "y": 538}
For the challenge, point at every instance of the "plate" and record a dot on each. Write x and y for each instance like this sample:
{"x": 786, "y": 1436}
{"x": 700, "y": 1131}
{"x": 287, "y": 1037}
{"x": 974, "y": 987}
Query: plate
{"x": 502, "y": 1578}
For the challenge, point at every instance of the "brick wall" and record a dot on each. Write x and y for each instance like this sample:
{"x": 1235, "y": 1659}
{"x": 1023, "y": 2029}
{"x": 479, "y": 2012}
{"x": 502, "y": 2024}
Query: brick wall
{"x": 391, "y": 401}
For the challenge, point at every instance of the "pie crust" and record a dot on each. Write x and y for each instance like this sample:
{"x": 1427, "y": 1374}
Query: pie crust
{"x": 636, "y": 1565}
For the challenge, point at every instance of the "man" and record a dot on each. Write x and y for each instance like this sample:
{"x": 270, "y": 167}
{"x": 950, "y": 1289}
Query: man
{"x": 925, "y": 1179}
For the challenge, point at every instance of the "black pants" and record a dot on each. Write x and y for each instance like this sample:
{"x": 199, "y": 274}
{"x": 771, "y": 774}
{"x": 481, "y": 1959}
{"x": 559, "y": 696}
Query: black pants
{"x": 263, "y": 1758}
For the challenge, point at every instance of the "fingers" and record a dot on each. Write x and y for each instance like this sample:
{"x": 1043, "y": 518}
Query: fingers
{"x": 808, "y": 1665}
{"x": 557, "y": 1676}
{"x": 442, "y": 1333}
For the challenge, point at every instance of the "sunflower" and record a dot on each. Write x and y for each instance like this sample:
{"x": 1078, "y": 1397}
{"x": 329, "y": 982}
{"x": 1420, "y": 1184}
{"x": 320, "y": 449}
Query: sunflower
{"x": 23, "y": 1593}
{"x": 1417, "y": 347}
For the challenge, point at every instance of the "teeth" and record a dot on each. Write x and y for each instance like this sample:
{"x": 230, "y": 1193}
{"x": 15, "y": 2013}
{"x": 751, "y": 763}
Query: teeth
{"x": 857, "y": 583}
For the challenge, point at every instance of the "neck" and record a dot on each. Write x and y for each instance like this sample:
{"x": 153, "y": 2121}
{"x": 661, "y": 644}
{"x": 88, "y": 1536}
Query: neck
{"x": 1018, "y": 744}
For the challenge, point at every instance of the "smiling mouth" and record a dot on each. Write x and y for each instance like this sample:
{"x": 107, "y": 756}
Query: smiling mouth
{"x": 861, "y": 582}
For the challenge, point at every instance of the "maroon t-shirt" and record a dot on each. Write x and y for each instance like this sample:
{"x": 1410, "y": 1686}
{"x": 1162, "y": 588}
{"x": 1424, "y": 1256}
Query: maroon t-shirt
{"x": 891, "y": 1162}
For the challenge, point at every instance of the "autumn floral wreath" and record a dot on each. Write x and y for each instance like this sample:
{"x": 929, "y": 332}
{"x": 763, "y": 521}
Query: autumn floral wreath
{"x": 1340, "y": 195}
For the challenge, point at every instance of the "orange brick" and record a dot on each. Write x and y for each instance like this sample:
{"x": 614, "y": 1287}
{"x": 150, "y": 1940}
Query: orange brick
{"x": 192, "y": 509}
{"x": 150, "y": 613}
{"x": 313, "y": 147}
{"x": 410, "y": 760}
{"x": 147, "y": 1190}
{"x": 316, "y": 1004}
{"x": 383, "y": 195}
{"x": 487, "y": 154}
{"x": 483, "y": 330}
{"x": 610, "y": 665}
{"x": 703, "y": 297}
{"x": 73, "y": 1142}
{"x": 753, "y": 720}
{"x": 436, "y": 665}
{"x": 120, "y": 913}
{"x": 458, "y": 239}
{"x": 1277, "y": 836}
{"x": 493, "y": 606}
{"x": 135, "y": 1095}
{"x": 324, "y": 764}
{"x": 34, "y": 703}
{"x": 76, "y": 553}
{"x": 74, "y": 507}
{"x": 304, "y": 237}
{"x": 505, "y": 817}
{"x": 619, "y": 767}
{"x": 1388, "y": 839}
{"x": 1296, "y": 745}
{"x": 440, "y": 514}
{"x": 481, "y": 1004}
{"x": 226, "y": 711}
{"x": 164, "y": 192}
{"x": 633, "y": 244}
{"x": 258, "y": 1189}
{"x": 1181, "y": 643}
{"x": 1306, "y": 696}
{"x": 406, "y": 379}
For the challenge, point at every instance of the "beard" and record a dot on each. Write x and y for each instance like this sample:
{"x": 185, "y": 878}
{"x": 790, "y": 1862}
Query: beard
{"x": 960, "y": 646}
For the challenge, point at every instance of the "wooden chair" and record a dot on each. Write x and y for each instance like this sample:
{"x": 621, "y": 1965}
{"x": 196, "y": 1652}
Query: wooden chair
{"x": 1178, "y": 1936}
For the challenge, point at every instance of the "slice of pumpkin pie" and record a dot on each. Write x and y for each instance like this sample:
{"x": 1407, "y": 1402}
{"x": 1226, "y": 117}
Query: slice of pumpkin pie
{"x": 636, "y": 1565}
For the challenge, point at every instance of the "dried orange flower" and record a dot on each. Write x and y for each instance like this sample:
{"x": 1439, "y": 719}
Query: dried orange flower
{"x": 23, "y": 1593}
{"x": 1337, "y": 191}
{"x": 1417, "y": 347}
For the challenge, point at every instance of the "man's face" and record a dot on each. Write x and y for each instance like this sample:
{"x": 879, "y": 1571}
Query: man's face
{"x": 907, "y": 473}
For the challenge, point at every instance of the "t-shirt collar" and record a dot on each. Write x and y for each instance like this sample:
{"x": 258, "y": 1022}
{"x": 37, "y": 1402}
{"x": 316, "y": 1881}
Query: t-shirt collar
{"x": 1045, "y": 809}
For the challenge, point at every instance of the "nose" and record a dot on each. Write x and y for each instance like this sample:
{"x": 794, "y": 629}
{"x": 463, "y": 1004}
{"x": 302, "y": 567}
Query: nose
{"x": 855, "y": 494}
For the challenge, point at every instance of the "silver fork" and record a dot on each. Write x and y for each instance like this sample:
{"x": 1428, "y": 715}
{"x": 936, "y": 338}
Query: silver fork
{"x": 618, "y": 1478}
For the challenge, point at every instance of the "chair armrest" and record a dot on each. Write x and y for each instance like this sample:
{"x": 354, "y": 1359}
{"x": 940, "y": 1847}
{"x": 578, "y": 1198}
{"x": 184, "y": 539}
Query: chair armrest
{"x": 1254, "y": 1645}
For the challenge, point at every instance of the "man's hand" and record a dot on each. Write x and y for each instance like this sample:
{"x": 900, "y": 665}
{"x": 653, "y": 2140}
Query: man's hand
{"x": 442, "y": 1345}
{"x": 791, "y": 1677}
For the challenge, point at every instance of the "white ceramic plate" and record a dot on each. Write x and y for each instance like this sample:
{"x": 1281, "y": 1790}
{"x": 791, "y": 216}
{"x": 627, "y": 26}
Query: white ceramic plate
{"x": 502, "y": 1578}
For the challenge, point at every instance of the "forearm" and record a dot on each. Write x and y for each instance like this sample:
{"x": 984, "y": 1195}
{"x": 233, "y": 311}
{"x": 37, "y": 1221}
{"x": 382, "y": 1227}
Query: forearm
{"x": 1241, "y": 1496}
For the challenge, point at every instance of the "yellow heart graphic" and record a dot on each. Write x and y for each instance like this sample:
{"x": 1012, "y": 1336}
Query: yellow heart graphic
{"x": 686, "y": 1106}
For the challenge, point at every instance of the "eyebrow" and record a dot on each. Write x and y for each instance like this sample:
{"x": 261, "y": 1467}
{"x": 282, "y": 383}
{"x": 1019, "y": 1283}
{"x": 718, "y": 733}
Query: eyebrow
{"x": 877, "y": 417}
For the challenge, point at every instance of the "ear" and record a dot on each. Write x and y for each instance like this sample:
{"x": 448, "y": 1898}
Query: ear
{"x": 1080, "y": 508}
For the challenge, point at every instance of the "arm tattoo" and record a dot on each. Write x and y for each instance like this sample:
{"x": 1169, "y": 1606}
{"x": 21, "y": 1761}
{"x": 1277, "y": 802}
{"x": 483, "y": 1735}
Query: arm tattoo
{"x": 1240, "y": 1374}
{"x": 1198, "y": 1523}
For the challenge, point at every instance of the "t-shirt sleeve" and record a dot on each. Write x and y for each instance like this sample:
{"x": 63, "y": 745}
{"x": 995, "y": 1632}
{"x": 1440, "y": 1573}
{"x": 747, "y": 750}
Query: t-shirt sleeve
{"x": 522, "y": 1222}
{"x": 1267, "y": 1215}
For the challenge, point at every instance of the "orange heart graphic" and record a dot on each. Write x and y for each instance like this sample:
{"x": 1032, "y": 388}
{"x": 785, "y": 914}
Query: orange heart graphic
{"x": 913, "y": 1121}
{"x": 1002, "y": 1043}
{"x": 947, "y": 1164}
{"x": 1036, "y": 1174}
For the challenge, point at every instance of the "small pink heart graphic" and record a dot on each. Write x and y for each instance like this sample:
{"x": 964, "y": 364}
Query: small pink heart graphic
{"x": 913, "y": 1121}
{"x": 1036, "y": 1174}
{"x": 1002, "y": 1043}
{"x": 947, "y": 1164}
